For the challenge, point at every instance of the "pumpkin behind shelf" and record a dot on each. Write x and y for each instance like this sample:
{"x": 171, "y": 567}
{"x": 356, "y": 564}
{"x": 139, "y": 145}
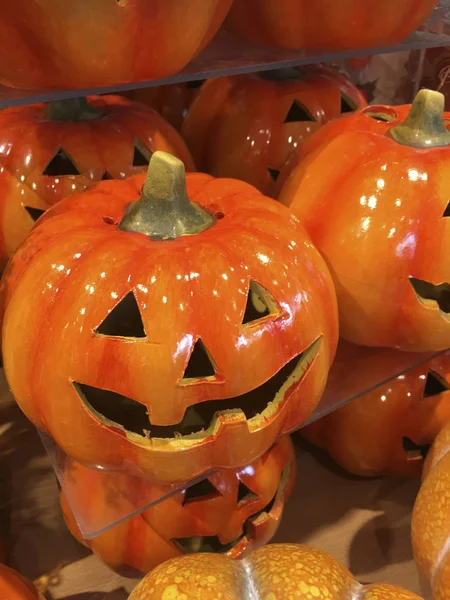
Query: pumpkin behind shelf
{"x": 15, "y": 587}
{"x": 274, "y": 572}
{"x": 51, "y": 151}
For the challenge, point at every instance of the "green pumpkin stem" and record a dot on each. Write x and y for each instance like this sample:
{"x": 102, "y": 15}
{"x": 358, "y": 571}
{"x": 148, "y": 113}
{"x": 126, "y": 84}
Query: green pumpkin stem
{"x": 164, "y": 211}
{"x": 72, "y": 109}
{"x": 424, "y": 126}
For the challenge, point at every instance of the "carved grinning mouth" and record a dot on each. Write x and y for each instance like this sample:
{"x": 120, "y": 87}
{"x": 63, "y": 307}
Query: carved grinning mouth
{"x": 132, "y": 416}
{"x": 428, "y": 293}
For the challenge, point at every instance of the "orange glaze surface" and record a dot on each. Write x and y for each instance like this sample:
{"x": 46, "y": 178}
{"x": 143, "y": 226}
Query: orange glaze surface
{"x": 15, "y": 587}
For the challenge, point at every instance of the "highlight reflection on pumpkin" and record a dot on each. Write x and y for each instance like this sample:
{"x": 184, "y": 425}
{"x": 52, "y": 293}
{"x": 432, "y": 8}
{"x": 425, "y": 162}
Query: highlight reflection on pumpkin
{"x": 211, "y": 298}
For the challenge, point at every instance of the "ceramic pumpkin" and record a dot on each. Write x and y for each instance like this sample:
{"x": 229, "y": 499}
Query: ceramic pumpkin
{"x": 171, "y": 101}
{"x": 110, "y": 41}
{"x": 212, "y": 298}
{"x": 230, "y": 512}
{"x": 388, "y": 430}
{"x": 49, "y": 152}
{"x": 274, "y": 572}
{"x": 372, "y": 193}
{"x": 15, "y": 587}
{"x": 246, "y": 126}
{"x": 346, "y": 24}
{"x": 431, "y": 518}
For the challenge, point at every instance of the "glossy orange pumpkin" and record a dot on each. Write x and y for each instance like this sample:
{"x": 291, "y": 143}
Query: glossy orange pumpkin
{"x": 171, "y": 101}
{"x": 431, "y": 518}
{"x": 109, "y": 41}
{"x": 213, "y": 299}
{"x": 276, "y": 571}
{"x": 246, "y": 126}
{"x": 388, "y": 430}
{"x": 372, "y": 193}
{"x": 15, "y": 587}
{"x": 342, "y": 24}
{"x": 231, "y": 513}
{"x": 49, "y": 152}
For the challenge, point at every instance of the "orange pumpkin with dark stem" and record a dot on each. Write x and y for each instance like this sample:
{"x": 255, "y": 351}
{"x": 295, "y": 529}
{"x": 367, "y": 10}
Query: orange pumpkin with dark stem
{"x": 388, "y": 430}
{"x": 246, "y": 126}
{"x": 212, "y": 298}
{"x": 431, "y": 518}
{"x": 109, "y": 42}
{"x": 231, "y": 512}
{"x": 15, "y": 587}
{"x": 345, "y": 24}
{"x": 274, "y": 572}
{"x": 372, "y": 193}
{"x": 49, "y": 152}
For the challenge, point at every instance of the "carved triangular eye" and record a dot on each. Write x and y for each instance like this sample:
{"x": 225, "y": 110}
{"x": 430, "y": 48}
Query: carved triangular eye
{"x": 260, "y": 303}
{"x": 61, "y": 164}
{"x": 200, "y": 491}
{"x": 142, "y": 154}
{"x": 245, "y": 494}
{"x": 124, "y": 320}
{"x": 297, "y": 113}
{"x": 274, "y": 174}
{"x": 434, "y": 385}
{"x": 107, "y": 176}
{"x": 200, "y": 364}
{"x": 347, "y": 105}
{"x": 447, "y": 211}
{"x": 34, "y": 213}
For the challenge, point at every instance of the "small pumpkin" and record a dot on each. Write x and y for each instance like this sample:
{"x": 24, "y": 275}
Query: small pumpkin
{"x": 276, "y": 571}
{"x": 49, "y": 152}
{"x": 246, "y": 126}
{"x": 230, "y": 512}
{"x": 109, "y": 42}
{"x": 371, "y": 191}
{"x": 388, "y": 430}
{"x": 15, "y": 587}
{"x": 431, "y": 518}
{"x": 347, "y": 24}
{"x": 211, "y": 297}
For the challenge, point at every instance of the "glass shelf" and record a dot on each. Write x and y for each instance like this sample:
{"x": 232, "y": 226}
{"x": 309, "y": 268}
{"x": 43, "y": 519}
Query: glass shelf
{"x": 227, "y": 55}
{"x": 130, "y": 495}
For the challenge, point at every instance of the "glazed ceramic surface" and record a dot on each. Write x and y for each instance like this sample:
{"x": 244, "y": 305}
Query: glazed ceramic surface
{"x": 274, "y": 572}
{"x": 109, "y": 41}
{"x": 431, "y": 518}
{"x": 173, "y": 357}
{"x": 50, "y": 152}
{"x": 388, "y": 431}
{"x": 230, "y": 513}
{"x": 246, "y": 126}
{"x": 371, "y": 190}
{"x": 15, "y": 587}
{"x": 337, "y": 24}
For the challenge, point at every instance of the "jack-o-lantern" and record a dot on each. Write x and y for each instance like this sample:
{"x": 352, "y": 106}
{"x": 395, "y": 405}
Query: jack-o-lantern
{"x": 246, "y": 126}
{"x": 109, "y": 42}
{"x": 171, "y": 101}
{"x": 373, "y": 196}
{"x": 191, "y": 326}
{"x": 274, "y": 572}
{"x": 230, "y": 512}
{"x": 15, "y": 587}
{"x": 431, "y": 518}
{"x": 388, "y": 430}
{"x": 343, "y": 24}
{"x": 49, "y": 152}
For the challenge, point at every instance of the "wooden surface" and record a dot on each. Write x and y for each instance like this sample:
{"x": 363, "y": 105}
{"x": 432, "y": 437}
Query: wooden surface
{"x": 363, "y": 523}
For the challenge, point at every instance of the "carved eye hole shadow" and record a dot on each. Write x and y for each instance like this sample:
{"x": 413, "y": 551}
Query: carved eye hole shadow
{"x": 260, "y": 304}
{"x": 347, "y": 105}
{"x": 203, "y": 490}
{"x": 297, "y": 113}
{"x": 415, "y": 451}
{"x": 428, "y": 291}
{"x": 200, "y": 365}
{"x": 274, "y": 174}
{"x": 107, "y": 176}
{"x": 141, "y": 154}
{"x": 124, "y": 320}
{"x": 245, "y": 494}
{"x": 34, "y": 213}
{"x": 61, "y": 164}
{"x": 434, "y": 385}
{"x": 447, "y": 211}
